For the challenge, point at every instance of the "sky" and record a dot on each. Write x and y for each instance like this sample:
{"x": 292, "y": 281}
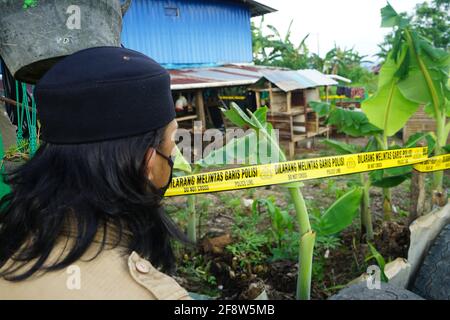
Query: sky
{"x": 348, "y": 23}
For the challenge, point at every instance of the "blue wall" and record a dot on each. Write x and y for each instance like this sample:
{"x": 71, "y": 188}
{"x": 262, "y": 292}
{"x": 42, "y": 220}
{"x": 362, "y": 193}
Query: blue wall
{"x": 206, "y": 32}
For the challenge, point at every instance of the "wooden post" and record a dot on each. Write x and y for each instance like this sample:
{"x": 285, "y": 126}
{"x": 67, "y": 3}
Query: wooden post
{"x": 258, "y": 99}
{"x": 439, "y": 198}
{"x": 326, "y": 93}
{"x": 418, "y": 193}
{"x": 270, "y": 95}
{"x": 291, "y": 150}
{"x": 289, "y": 101}
{"x": 200, "y": 104}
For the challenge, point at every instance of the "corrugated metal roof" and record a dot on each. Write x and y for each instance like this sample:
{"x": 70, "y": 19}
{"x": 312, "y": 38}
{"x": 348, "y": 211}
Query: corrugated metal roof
{"x": 224, "y": 76}
{"x": 236, "y": 75}
{"x": 194, "y": 32}
{"x": 289, "y": 80}
{"x": 339, "y": 78}
{"x": 257, "y": 9}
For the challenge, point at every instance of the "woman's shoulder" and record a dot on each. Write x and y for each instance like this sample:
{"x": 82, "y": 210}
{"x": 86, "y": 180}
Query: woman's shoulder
{"x": 111, "y": 275}
{"x": 161, "y": 286}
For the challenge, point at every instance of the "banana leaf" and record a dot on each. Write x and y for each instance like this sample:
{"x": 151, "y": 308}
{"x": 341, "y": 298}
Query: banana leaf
{"x": 388, "y": 108}
{"x": 341, "y": 213}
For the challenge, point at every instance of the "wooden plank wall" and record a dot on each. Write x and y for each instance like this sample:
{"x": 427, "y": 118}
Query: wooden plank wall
{"x": 419, "y": 122}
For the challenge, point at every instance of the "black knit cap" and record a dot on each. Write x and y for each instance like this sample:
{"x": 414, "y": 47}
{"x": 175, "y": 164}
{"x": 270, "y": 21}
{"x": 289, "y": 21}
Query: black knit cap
{"x": 103, "y": 93}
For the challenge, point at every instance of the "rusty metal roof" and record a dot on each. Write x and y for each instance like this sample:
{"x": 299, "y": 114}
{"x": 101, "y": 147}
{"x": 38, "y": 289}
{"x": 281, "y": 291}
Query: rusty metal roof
{"x": 238, "y": 75}
{"x": 289, "y": 80}
{"x": 223, "y": 76}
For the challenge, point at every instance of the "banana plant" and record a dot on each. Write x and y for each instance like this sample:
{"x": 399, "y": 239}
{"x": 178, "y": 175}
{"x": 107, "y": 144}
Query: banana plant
{"x": 415, "y": 72}
{"x": 264, "y": 130}
{"x": 389, "y": 110}
{"x": 374, "y": 254}
{"x": 365, "y": 214}
{"x": 182, "y": 167}
{"x": 387, "y": 178}
{"x": 230, "y": 153}
{"x": 356, "y": 124}
{"x": 336, "y": 218}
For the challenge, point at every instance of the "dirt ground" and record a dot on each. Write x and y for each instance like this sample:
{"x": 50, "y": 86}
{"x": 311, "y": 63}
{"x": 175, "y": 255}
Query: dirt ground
{"x": 213, "y": 270}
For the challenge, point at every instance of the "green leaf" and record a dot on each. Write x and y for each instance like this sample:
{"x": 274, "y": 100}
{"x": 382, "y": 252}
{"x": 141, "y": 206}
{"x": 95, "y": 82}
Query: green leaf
{"x": 404, "y": 61}
{"x": 429, "y": 137}
{"x": 290, "y": 185}
{"x": 415, "y": 86}
{"x": 265, "y": 139}
{"x": 237, "y": 116}
{"x": 30, "y": 4}
{"x": 268, "y": 203}
{"x": 261, "y": 115}
{"x": 372, "y": 145}
{"x": 341, "y": 147}
{"x": 390, "y": 182}
{"x": 389, "y": 178}
{"x": 389, "y": 17}
{"x": 321, "y": 108}
{"x": 416, "y": 138}
{"x": 376, "y": 175}
{"x": 388, "y": 109}
{"x": 341, "y": 213}
{"x": 243, "y": 150}
{"x": 397, "y": 45}
{"x": 180, "y": 163}
{"x": 352, "y": 122}
{"x": 256, "y": 118}
{"x": 398, "y": 171}
{"x": 436, "y": 54}
{"x": 427, "y": 75}
{"x": 380, "y": 261}
{"x": 431, "y": 142}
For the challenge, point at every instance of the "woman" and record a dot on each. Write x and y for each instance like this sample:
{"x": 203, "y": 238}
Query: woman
{"x": 83, "y": 219}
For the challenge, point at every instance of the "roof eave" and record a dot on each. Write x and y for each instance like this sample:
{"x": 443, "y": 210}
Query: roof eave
{"x": 258, "y": 9}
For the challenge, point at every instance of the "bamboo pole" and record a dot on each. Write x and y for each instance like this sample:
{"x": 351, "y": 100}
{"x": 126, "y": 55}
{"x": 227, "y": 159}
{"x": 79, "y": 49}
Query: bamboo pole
{"x": 12, "y": 102}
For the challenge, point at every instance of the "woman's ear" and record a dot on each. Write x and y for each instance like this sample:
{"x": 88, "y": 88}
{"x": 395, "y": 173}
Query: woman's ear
{"x": 150, "y": 158}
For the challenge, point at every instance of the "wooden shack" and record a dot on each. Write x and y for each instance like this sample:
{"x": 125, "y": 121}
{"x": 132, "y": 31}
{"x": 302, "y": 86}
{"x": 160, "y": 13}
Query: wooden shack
{"x": 419, "y": 122}
{"x": 287, "y": 94}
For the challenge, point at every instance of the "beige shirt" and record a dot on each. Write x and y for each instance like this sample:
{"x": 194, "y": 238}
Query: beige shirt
{"x": 110, "y": 276}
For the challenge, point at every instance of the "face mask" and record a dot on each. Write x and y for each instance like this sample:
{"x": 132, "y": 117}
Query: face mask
{"x": 163, "y": 190}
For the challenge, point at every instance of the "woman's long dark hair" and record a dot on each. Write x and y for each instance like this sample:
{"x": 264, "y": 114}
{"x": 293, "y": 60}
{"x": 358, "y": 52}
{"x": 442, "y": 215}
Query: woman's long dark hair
{"x": 89, "y": 186}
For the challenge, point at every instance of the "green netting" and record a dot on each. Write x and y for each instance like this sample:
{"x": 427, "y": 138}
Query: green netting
{"x": 24, "y": 113}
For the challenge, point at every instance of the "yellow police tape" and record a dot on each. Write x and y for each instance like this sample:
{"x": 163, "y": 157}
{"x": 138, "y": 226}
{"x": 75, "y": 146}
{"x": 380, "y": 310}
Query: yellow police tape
{"x": 436, "y": 163}
{"x": 299, "y": 170}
